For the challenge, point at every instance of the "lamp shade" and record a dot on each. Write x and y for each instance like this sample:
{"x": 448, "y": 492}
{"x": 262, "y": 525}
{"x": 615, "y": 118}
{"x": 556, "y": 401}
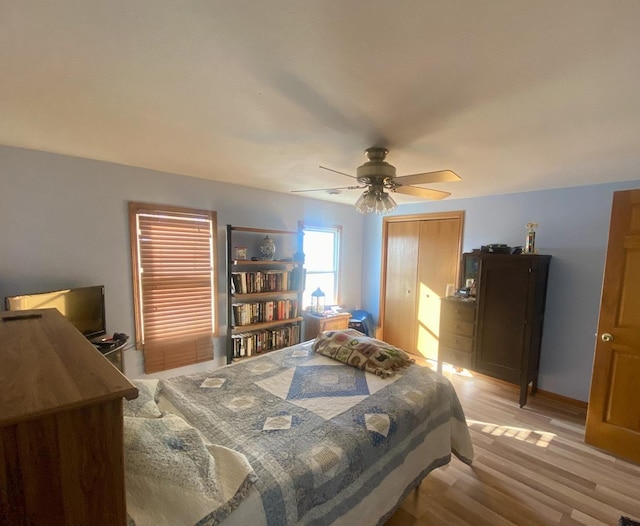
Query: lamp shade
{"x": 375, "y": 199}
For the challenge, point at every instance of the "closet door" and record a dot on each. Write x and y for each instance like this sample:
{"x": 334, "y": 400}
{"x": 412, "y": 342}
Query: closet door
{"x": 399, "y": 327}
{"x": 438, "y": 256}
{"x": 422, "y": 255}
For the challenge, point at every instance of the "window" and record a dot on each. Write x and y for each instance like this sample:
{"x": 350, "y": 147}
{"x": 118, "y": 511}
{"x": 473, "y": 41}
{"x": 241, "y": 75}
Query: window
{"x": 174, "y": 284}
{"x": 321, "y": 247}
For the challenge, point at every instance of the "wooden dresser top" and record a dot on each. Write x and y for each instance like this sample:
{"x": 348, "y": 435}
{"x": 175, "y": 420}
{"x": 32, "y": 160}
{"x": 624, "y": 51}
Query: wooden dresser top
{"x": 47, "y": 365}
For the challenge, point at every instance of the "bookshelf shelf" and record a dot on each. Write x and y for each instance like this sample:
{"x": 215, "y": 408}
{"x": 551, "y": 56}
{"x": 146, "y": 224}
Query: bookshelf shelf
{"x": 257, "y": 295}
{"x": 264, "y": 296}
{"x": 264, "y": 325}
{"x": 263, "y": 263}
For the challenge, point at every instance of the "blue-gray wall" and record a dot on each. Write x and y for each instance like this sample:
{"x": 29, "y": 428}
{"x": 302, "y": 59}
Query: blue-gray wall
{"x": 65, "y": 224}
{"x": 573, "y": 228}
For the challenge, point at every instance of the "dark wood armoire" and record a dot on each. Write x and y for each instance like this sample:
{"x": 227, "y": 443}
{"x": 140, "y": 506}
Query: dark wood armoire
{"x": 498, "y": 332}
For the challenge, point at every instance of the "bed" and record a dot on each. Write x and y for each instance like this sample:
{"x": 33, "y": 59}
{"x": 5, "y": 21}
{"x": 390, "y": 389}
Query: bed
{"x": 292, "y": 437}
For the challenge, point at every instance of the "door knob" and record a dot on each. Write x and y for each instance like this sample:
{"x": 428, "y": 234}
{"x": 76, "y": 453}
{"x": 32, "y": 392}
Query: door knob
{"x": 606, "y": 337}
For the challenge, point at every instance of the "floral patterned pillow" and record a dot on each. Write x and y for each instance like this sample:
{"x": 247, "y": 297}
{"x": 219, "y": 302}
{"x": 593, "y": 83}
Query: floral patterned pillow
{"x": 354, "y": 348}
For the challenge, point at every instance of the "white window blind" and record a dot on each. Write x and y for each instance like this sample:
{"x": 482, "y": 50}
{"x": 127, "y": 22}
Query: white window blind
{"x": 174, "y": 284}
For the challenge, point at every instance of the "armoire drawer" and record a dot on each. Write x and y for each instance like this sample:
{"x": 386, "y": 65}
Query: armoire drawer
{"x": 455, "y": 357}
{"x": 461, "y": 328}
{"x": 456, "y": 341}
{"x": 459, "y": 311}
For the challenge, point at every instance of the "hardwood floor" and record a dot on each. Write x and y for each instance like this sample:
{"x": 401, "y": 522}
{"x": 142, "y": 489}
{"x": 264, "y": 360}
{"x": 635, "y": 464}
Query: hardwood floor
{"x": 531, "y": 468}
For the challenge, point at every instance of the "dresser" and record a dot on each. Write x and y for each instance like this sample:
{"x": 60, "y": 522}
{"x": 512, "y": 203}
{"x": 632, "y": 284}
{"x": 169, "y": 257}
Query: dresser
{"x": 314, "y": 324}
{"x": 499, "y": 331}
{"x": 61, "y": 434}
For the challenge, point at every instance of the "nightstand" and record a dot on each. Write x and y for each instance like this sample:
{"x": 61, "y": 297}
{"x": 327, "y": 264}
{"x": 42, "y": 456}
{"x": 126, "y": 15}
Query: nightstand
{"x": 314, "y": 324}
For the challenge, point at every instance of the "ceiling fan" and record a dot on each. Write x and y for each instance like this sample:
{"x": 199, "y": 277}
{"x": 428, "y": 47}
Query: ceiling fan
{"x": 376, "y": 175}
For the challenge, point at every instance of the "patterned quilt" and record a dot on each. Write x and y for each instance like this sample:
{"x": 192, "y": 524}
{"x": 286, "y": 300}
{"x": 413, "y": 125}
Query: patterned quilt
{"x": 319, "y": 434}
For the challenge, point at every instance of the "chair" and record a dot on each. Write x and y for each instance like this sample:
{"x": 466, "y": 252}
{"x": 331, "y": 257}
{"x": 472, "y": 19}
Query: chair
{"x": 362, "y": 321}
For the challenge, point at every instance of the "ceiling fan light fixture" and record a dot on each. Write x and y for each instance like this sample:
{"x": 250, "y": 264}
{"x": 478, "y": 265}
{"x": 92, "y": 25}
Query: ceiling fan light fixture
{"x": 375, "y": 199}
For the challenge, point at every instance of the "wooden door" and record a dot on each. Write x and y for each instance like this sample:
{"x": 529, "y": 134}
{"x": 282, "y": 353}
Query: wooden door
{"x": 439, "y": 253}
{"x": 421, "y": 255}
{"x": 400, "y": 278}
{"x": 613, "y": 416}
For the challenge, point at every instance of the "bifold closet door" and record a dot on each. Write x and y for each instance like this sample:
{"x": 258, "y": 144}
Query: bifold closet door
{"x": 422, "y": 256}
{"x": 438, "y": 256}
{"x": 399, "y": 327}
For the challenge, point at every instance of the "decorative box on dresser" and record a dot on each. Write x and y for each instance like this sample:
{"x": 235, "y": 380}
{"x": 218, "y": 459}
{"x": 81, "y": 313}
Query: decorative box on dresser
{"x": 61, "y": 425}
{"x": 499, "y": 331}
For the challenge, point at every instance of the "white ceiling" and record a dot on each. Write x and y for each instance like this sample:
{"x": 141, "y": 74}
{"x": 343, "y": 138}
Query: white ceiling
{"x": 513, "y": 95}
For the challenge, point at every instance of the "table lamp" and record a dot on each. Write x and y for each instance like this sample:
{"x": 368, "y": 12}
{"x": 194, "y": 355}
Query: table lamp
{"x": 317, "y": 300}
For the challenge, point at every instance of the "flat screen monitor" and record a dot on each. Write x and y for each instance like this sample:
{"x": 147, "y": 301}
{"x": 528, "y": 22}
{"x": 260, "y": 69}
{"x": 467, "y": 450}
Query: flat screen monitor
{"x": 83, "y": 307}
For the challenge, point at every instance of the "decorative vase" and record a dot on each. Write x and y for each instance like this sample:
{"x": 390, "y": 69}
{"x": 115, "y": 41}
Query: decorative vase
{"x": 267, "y": 249}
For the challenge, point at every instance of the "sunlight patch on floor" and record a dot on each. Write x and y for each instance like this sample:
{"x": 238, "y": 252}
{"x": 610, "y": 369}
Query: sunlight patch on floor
{"x": 458, "y": 371}
{"x": 447, "y": 369}
{"x": 538, "y": 438}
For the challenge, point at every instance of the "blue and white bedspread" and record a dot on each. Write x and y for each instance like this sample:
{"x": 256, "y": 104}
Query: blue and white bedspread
{"x": 321, "y": 435}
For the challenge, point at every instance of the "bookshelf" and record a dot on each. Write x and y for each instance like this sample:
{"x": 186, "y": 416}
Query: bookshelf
{"x": 264, "y": 310}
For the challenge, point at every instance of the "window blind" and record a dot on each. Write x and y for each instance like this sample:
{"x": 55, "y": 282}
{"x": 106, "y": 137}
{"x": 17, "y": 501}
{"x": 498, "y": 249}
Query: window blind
{"x": 174, "y": 285}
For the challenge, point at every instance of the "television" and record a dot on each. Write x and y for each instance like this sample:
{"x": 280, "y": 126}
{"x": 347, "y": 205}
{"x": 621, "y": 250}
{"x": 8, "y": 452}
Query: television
{"x": 83, "y": 307}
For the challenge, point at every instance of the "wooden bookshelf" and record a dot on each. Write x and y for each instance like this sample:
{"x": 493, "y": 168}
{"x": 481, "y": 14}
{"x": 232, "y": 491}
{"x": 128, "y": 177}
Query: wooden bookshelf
{"x": 264, "y": 295}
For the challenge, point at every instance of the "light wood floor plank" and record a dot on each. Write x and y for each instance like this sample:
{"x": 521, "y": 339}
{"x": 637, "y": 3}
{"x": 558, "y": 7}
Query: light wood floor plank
{"x": 531, "y": 468}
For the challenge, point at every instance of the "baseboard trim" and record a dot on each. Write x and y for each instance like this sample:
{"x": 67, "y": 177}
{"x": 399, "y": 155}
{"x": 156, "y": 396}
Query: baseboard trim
{"x": 561, "y": 398}
{"x": 540, "y": 393}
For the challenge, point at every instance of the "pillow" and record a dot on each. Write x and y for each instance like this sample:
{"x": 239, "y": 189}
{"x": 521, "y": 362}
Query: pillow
{"x": 145, "y": 406}
{"x": 172, "y": 476}
{"x": 354, "y": 348}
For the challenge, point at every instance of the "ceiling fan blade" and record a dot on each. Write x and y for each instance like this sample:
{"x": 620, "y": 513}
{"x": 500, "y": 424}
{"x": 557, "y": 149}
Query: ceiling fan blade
{"x": 441, "y": 176}
{"x": 336, "y": 171}
{"x": 329, "y": 189}
{"x": 426, "y": 193}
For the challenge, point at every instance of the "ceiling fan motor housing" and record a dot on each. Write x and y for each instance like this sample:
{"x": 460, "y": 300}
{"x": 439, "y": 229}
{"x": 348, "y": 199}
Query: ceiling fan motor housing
{"x": 376, "y": 170}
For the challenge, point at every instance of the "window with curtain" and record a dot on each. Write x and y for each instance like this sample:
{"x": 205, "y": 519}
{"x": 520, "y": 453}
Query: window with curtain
{"x": 321, "y": 247}
{"x": 174, "y": 283}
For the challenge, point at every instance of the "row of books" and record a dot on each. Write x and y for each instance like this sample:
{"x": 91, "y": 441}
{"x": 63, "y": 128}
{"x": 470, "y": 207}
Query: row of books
{"x": 264, "y": 311}
{"x": 256, "y": 342}
{"x": 267, "y": 281}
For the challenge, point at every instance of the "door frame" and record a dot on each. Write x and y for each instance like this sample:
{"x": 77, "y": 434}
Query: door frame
{"x": 434, "y": 216}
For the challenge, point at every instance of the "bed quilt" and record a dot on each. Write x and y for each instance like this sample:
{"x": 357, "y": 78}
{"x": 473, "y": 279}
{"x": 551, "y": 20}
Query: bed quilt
{"x": 319, "y": 434}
